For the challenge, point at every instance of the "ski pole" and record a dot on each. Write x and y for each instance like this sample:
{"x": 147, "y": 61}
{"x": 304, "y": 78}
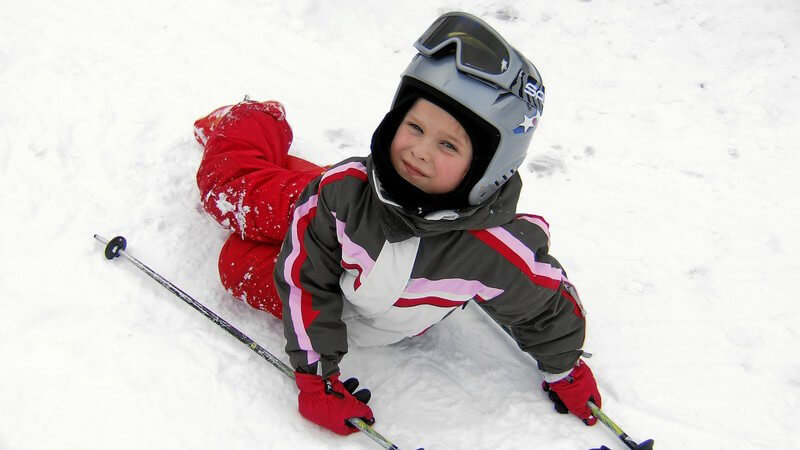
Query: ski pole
{"x": 645, "y": 445}
{"x": 602, "y": 416}
{"x": 116, "y": 247}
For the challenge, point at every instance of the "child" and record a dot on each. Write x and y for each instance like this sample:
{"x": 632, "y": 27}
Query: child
{"x": 373, "y": 250}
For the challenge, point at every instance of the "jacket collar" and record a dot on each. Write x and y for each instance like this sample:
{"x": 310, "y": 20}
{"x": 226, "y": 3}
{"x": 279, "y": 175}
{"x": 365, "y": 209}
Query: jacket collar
{"x": 399, "y": 224}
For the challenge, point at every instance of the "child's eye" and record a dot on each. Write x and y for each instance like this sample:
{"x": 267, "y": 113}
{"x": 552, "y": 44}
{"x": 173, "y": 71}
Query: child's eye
{"x": 450, "y": 146}
{"x": 415, "y": 127}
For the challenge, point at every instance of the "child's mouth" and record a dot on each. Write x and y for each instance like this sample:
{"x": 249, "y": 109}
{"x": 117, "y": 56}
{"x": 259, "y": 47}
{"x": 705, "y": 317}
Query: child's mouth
{"x": 413, "y": 171}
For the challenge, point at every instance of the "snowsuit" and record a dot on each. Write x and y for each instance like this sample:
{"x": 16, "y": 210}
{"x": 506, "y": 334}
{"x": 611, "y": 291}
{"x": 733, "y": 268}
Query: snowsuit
{"x": 356, "y": 268}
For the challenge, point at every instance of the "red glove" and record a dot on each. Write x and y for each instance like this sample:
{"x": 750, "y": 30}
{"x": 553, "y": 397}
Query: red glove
{"x": 329, "y": 403}
{"x": 571, "y": 393}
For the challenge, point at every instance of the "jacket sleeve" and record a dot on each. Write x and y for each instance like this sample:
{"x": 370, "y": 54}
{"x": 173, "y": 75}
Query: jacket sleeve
{"x": 307, "y": 279}
{"x": 242, "y": 177}
{"x": 540, "y": 308}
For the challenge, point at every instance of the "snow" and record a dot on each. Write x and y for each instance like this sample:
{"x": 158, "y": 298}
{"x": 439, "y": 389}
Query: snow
{"x": 665, "y": 163}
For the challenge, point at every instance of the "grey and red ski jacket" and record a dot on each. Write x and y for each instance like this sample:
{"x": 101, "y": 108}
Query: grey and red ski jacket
{"x": 355, "y": 268}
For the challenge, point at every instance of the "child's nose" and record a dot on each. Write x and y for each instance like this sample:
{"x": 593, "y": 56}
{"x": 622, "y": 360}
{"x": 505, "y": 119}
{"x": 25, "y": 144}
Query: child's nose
{"x": 421, "y": 151}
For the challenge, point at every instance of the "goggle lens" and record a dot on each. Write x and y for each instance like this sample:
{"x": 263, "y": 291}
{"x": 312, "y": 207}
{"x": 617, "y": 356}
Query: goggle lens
{"x": 480, "y": 49}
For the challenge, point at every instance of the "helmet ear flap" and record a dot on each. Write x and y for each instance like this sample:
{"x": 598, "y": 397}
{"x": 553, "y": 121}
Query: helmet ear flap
{"x": 492, "y": 180}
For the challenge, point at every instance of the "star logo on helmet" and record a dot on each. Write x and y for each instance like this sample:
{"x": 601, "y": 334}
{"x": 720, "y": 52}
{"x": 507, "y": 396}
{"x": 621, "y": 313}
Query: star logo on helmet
{"x": 527, "y": 124}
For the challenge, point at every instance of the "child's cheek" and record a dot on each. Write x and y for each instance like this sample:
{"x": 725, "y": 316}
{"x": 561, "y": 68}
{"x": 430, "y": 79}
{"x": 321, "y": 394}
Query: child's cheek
{"x": 402, "y": 136}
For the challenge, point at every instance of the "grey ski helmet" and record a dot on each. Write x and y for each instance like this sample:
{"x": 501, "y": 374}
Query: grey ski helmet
{"x": 462, "y": 57}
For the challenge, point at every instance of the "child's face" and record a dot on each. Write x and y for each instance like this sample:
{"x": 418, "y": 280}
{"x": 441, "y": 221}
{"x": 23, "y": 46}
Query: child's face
{"x": 431, "y": 150}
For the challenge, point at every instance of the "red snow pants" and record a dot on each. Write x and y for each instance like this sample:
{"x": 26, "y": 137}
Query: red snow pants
{"x": 249, "y": 184}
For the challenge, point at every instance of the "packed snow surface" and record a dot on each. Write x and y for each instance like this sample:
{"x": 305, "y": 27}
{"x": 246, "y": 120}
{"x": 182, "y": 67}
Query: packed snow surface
{"x": 666, "y": 164}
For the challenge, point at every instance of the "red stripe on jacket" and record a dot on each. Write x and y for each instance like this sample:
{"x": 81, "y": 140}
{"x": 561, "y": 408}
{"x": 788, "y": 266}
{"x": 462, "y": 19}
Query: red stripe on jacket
{"x": 307, "y": 312}
{"x": 515, "y": 259}
{"x": 575, "y": 307}
{"x": 433, "y": 301}
{"x": 356, "y": 173}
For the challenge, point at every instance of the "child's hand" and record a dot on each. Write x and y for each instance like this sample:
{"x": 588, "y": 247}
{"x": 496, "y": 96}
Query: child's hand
{"x": 329, "y": 402}
{"x": 571, "y": 393}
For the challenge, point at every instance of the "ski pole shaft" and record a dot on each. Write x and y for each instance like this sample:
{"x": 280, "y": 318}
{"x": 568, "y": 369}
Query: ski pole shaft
{"x": 261, "y": 351}
{"x": 646, "y": 445}
{"x": 116, "y": 247}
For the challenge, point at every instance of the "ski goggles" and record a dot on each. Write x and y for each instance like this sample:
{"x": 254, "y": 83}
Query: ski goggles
{"x": 482, "y": 53}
